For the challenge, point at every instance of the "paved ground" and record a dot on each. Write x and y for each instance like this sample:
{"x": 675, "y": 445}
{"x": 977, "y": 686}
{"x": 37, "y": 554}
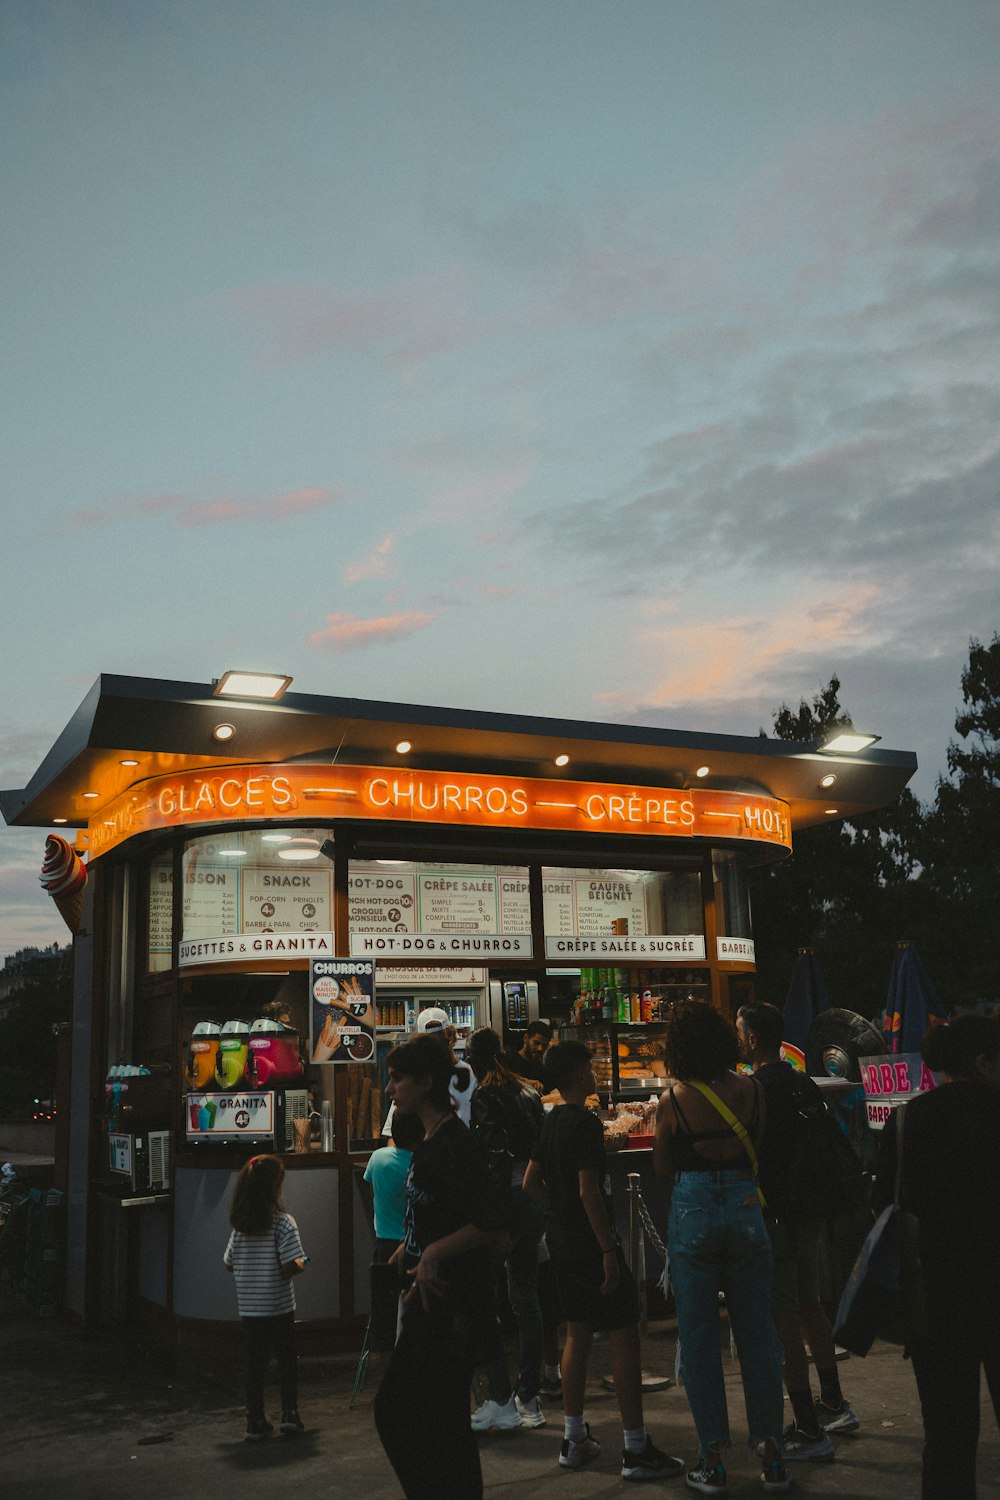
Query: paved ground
{"x": 110, "y": 1415}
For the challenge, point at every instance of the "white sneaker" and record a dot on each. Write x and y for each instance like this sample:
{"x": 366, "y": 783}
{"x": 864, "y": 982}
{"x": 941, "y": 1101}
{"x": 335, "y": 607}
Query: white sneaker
{"x": 836, "y": 1418}
{"x": 531, "y": 1412}
{"x": 494, "y": 1417}
{"x": 575, "y": 1455}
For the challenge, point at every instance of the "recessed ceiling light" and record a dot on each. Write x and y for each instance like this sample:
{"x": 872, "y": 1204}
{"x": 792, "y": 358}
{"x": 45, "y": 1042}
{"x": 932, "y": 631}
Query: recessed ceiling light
{"x": 832, "y": 812}
{"x": 562, "y": 760}
{"x": 58, "y": 820}
{"x": 703, "y": 770}
{"x": 223, "y": 732}
{"x": 827, "y": 780}
{"x": 128, "y": 762}
{"x": 404, "y": 747}
{"x": 275, "y": 838}
{"x": 91, "y": 795}
{"x": 233, "y": 853}
{"x": 251, "y": 685}
{"x": 291, "y": 852}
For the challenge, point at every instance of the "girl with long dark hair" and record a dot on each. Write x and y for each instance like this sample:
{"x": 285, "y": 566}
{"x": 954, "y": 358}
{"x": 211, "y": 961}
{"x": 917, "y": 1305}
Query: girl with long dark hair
{"x": 264, "y": 1253}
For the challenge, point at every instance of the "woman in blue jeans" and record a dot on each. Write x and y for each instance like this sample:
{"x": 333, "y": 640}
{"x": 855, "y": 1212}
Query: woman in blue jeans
{"x": 717, "y": 1239}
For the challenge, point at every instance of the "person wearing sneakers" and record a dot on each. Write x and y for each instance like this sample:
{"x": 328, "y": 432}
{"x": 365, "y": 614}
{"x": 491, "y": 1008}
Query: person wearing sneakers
{"x": 567, "y": 1174}
{"x": 506, "y": 1121}
{"x": 708, "y": 1127}
{"x": 264, "y": 1253}
{"x": 795, "y": 1245}
{"x": 455, "y": 1216}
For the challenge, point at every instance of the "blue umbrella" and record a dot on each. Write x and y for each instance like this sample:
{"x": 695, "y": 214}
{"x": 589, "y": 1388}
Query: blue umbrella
{"x": 912, "y": 1002}
{"x": 806, "y": 997}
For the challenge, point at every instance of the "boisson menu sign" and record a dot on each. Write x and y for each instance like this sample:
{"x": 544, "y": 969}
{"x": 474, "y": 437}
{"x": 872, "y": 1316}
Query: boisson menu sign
{"x": 244, "y": 793}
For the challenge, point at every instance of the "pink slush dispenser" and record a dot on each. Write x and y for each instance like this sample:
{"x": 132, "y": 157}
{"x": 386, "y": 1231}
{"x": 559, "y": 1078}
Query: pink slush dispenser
{"x": 273, "y": 1060}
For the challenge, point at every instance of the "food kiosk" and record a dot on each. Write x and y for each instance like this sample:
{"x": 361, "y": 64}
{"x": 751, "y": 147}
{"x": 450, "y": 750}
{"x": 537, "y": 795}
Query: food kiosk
{"x": 500, "y": 867}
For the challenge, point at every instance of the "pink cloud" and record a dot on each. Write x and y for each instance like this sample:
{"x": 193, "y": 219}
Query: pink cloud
{"x": 185, "y": 510}
{"x": 375, "y": 565}
{"x": 351, "y": 633}
{"x": 409, "y": 319}
{"x": 294, "y": 503}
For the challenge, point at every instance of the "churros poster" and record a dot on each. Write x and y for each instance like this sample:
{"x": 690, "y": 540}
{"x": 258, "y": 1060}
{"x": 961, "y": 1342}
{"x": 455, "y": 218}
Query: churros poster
{"x": 342, "y": 1010}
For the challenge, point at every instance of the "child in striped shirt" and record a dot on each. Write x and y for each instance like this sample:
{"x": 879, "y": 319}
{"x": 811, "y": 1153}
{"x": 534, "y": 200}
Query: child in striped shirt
{"x": 264, "y": 1253}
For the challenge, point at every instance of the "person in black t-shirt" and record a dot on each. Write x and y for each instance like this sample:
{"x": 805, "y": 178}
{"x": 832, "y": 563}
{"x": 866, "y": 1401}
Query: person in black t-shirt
{"x": 567, "y": 1175}
{"x": 795, "y": 1301}
{"x": 455, "y": 1215}
{"x": 529, "y": 1060}
{"x": 951, "y": 1181}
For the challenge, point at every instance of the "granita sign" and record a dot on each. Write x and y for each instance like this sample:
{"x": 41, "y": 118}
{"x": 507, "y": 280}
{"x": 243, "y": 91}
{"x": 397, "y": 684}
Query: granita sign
{"x": 247, "y": 793}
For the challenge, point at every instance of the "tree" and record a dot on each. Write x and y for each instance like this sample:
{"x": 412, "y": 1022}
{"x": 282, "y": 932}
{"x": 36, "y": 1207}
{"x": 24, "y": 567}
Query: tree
{"x": 960, "y": 849}
{"x": 29, "y": 1044}
{"x": 847, "y": 890}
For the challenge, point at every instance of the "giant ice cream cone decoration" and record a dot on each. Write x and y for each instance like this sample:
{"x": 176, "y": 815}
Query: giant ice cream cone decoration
{"x": 64, "y": 876}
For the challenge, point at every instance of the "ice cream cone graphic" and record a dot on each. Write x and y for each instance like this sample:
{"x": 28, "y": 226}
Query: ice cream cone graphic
{"x": 64, "y": 876}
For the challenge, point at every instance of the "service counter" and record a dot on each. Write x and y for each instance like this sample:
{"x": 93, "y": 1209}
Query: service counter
{"x": 175, "y": 1245}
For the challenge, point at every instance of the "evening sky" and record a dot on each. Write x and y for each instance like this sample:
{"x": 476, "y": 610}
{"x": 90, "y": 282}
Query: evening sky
{"x": 629, "y": 360}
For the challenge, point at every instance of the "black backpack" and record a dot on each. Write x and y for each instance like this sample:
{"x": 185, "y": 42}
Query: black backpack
{"x": 826, "y": 1178}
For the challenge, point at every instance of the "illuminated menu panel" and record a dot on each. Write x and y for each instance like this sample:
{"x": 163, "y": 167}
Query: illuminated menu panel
{"x": 439, "y": 899}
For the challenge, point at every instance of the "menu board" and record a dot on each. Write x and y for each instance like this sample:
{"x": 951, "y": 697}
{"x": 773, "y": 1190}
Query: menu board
{"x": 438, "y": 899}
{"x": 211, "y": 904}
{"x": 587, "y": 904}
{"x": 161, "y": 906}
{"x": 281, "y": 900}
{"x": 223, "y": 898}
{"x": 458, "y": 902}
{"x": 382, "y": 900}
{"x": 515, "y": 903}
{"x": 559, "y": 907}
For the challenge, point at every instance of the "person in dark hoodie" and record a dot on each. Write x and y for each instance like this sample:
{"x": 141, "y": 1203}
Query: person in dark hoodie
{"x": 951, "y": 1180}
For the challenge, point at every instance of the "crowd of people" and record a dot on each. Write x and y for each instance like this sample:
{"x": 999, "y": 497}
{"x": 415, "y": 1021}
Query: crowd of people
{"x": 482, "y": 1196}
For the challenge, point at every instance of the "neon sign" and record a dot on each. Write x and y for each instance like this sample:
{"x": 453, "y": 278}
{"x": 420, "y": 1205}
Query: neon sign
{"x": 241, "y": 794}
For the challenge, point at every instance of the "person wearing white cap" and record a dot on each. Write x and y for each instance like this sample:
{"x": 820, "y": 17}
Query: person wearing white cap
{"x": 436, "y": 1022}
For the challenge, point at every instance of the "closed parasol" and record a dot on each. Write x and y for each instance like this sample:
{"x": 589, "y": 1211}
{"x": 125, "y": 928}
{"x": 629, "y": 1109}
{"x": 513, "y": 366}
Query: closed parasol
{"x": 912, "y": 1003}
{"x": 806, "y": 998}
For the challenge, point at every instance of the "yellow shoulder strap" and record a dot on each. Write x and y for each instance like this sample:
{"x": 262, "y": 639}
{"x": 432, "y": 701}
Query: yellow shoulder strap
{"x": 735, "y": 1125}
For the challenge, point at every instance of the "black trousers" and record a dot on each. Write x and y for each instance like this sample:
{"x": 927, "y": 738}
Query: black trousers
{"x": 961, "y": 1341}
{"x": 422, "y": 1410}
{"x": 260, "y": 1337}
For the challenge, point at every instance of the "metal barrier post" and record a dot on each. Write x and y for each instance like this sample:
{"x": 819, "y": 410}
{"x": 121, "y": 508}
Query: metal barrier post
{"x": 637, "y": 1246}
